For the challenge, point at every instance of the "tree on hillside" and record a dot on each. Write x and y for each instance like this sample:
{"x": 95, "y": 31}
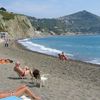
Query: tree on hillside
{"x": 3, "y": 9}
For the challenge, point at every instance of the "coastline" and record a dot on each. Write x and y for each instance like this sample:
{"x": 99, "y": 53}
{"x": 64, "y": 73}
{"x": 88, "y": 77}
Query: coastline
{"x": 68, "y": 80}
{"x": 20, "y": 46}
{"x": 51, "y": 51}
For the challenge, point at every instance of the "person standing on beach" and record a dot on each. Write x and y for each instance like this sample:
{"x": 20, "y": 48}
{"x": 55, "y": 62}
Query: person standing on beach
{"x": 6, "y": 42}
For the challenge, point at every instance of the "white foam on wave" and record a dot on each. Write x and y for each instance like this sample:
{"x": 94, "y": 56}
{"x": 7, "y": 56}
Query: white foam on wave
{"x": 39, "y": 48}
{"x": 94, "y": 61}
{"x": 26, "y": 39}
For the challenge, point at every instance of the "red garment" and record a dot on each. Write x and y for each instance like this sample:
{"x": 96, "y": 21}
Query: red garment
{"x": 23, "y": 74}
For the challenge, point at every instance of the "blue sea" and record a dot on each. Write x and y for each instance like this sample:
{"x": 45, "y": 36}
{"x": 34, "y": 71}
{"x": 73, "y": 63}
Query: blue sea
{"x": 81, "y": 47}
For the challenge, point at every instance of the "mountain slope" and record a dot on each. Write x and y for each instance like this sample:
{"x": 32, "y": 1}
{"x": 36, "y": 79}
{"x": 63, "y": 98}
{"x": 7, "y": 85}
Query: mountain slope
{"x": 82, "y": 22}
{"x": 50, "y": 26}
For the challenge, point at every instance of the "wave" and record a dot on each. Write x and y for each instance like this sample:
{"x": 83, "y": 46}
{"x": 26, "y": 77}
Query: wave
{"x": 40, "y": 48}
{"x": 94, "y": 61}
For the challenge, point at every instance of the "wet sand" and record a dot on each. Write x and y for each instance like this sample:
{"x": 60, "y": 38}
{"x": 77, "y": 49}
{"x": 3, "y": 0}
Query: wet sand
{"x": 67, "y": 80}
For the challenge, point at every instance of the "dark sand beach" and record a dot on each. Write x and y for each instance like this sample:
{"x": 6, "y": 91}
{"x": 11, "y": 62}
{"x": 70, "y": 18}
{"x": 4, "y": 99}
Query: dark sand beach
{"x": 67, "y": 80}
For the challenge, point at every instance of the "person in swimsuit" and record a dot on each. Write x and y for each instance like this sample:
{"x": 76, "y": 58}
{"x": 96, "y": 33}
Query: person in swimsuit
{"x": 21, "y": 90}
{"x": 22, "y": 72}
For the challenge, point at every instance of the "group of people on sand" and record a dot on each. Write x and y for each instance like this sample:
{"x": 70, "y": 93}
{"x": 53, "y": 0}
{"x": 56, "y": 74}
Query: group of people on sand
{"x": 62, "y": 56}
{"x": 22, "y": 72}
{"x": 23, "y": 89}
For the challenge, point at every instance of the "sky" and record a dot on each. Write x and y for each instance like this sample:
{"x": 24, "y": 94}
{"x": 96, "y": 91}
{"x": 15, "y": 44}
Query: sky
{"x": 50, "y": 8}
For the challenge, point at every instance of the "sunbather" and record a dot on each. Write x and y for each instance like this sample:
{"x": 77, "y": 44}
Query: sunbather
{"x": 22, "y": 72}
{"x": 5, "y": 61}
{"x": 19, "y": 92}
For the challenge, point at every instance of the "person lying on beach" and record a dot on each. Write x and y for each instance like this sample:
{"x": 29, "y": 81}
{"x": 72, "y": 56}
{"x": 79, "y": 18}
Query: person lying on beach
{"x": 5, "y": 61}
{"x": 62, "y": 56}
{"x": 21, "y": 90}
{"x": 22, "y": 72}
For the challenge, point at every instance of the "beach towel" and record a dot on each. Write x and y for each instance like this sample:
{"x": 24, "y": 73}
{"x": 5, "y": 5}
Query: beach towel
{"x": 23, "y": 97}
{"x": 11, "y": 98}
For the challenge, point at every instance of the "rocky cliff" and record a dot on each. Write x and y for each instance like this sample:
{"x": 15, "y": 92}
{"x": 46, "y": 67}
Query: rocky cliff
{"x": 17, "y": 26}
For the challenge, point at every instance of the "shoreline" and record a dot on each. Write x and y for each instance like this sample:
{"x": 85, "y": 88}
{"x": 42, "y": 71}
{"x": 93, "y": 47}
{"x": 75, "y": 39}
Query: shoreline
{"x": 68, "y": 80}
{"x": 25, "y": 48}
{"x": 35, "y": 47}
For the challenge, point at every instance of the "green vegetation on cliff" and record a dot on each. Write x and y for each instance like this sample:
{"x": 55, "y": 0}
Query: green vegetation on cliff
{"x": 7, "y": 15}
{"x": 48, "y": 25}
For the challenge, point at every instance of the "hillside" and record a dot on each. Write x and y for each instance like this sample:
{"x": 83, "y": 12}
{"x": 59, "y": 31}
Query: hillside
{"x": 17, "y": 26}
{"x": 82, "y": 22}
{"x": 51, "y": 26}
{"x": 22, "y": 26}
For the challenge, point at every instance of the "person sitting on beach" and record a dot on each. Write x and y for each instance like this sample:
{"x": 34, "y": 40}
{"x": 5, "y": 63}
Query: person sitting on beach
{"x": 36, "y": 74}
{"x": 62, "y": 56}
{"x": 22, "y": 72}
{"x": 5, "y": 61}
{"x": 21, "y": 90}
